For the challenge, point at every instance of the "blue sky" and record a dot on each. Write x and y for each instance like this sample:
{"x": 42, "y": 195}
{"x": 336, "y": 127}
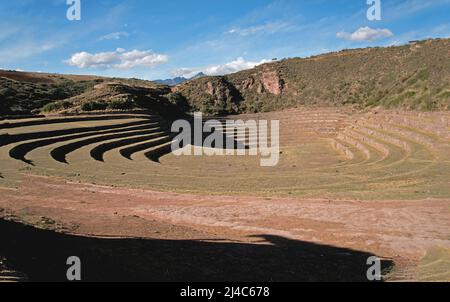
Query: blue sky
{"x": 160, "y": 39}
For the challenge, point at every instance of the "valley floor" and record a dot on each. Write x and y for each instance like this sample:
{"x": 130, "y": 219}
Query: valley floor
{"x": 400, "y": 232}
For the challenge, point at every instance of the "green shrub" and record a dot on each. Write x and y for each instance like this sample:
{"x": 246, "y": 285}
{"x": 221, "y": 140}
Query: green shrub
{"x": 120, "y": 104}
{"x": 93, "y": 106}
{"x": 58, "y": 93}
{"x": 445, "y": 95}
{"x": 56, "y": 106}
{"x": 177, "y": 99}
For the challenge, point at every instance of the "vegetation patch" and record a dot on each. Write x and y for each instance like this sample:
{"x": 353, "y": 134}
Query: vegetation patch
{"x": 94, "y": 106}
{"x": 56, "y": 106}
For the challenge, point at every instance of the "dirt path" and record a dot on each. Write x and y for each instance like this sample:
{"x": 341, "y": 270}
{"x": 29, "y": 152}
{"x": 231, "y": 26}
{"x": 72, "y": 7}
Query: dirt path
{"x": 400, "y": 230}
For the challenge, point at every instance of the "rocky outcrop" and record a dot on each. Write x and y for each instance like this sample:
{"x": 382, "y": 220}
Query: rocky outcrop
{"x": 221, "y": 90}
{"x": 223, "y": 95}
{"x": 266, "y": 81}
{"x": 272, "y": 82}
{"x": 248, "y": 83}
{"x": 211, "y": 95}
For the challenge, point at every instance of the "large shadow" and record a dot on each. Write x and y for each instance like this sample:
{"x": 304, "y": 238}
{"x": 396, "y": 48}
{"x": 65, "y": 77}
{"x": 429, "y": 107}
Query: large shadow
{"x": 60, "y": 153}
{"x": 164, "y": 146}
{"x": 42, "y": 256}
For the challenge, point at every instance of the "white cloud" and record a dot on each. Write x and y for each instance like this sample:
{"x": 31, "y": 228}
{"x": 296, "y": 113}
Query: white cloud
{"x": 394, "y": 43}
{"x": 221, "y": 69}
{"x": 268, "y": 28}
{"x": 114, "y": 36}
{"x": 119, "y": 59}
{"x": 365, "y": 34}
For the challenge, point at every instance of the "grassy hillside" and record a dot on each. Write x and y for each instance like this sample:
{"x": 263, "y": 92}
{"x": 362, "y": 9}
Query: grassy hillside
{"x": 414, "y": 76}
{"x": 23, "y": 93}
{"x": 26, "y": 93}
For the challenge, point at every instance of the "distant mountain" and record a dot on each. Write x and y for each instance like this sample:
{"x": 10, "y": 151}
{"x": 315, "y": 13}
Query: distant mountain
{"x": 172, "y": 82}
{"x": 179, "y": 80}
{"x": 198, "y": 76}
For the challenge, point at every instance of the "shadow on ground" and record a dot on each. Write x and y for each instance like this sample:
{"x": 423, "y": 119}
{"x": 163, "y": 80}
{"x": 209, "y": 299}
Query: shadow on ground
{"x": 42, "y": 256}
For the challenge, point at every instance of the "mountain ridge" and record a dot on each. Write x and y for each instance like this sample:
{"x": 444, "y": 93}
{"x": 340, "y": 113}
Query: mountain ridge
{"x": 179, "y": 80}
{"x": 415, "y": 76}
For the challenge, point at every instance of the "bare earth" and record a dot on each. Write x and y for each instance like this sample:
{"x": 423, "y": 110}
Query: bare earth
{"x": 402, "y": 231}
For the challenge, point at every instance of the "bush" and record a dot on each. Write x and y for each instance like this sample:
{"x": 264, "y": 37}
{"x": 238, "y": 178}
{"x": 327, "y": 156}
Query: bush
{"x": 93, "y": 106}
{"x": 59, "y": 93}
{"x": 177, "y": 99}
{"x": 56, "y": 106}
{"x": 120, "y": 104}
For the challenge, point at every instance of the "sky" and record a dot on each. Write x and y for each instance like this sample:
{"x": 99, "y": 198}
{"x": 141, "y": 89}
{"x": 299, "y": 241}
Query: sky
{"x": 150, "y": 39}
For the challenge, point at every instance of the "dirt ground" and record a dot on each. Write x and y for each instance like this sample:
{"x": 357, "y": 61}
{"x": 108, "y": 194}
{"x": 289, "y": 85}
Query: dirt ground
{"x": 398, "y": 231}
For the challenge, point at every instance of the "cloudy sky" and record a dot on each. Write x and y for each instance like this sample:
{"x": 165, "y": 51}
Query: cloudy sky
{"x": 160, "y": 39}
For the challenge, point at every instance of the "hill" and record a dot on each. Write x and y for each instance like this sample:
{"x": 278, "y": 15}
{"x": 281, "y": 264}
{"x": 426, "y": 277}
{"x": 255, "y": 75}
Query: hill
{"x": 24, "y": 93}
{"x": 414, "y": 76}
